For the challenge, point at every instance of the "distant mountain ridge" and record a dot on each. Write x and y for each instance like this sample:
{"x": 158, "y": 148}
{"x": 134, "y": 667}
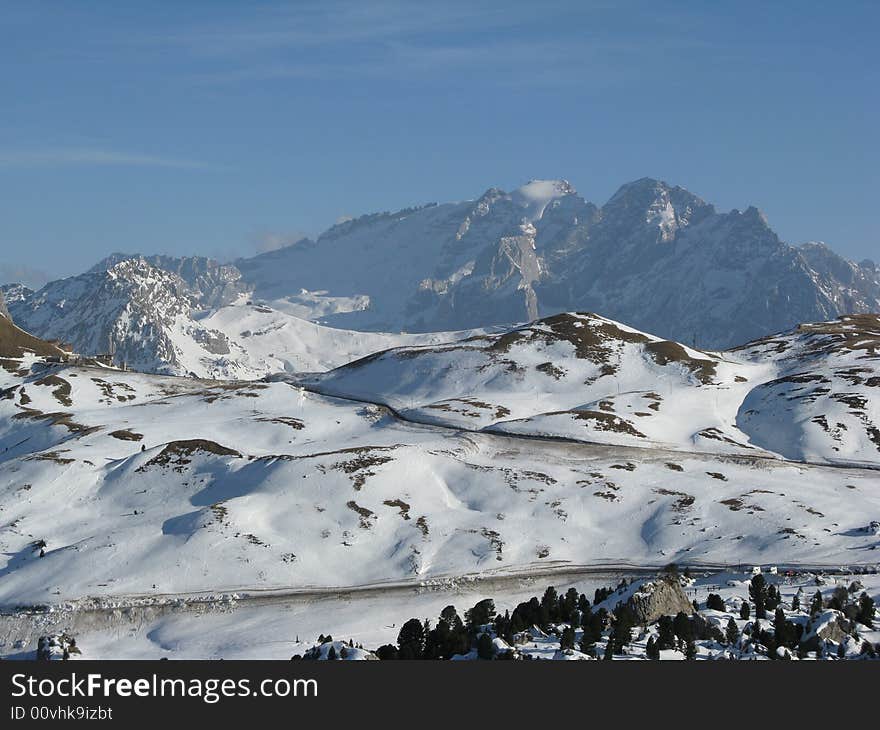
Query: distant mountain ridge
{"x": 655, "y": 256}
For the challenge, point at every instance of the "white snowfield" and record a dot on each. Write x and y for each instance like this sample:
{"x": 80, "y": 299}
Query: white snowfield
{"x": 266, "y": 338}
{"x": 118, "y": 484}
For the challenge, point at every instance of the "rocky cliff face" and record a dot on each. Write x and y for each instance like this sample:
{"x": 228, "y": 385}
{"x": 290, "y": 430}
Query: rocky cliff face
{"x": 654, "y": 256}
{"x": 126, "y": 311}
{"x": 664, "y": 260}
{"x": 853, "y": 287}
{"x": 210, "y": 283}
{"x": 4, "y": 312}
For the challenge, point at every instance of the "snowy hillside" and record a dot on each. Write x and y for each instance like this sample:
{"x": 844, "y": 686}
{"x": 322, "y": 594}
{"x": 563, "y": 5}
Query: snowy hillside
{"x": 583, "y": 377}
{"x": 117, "y": 483}
{"x": 264, "y": 339}
{"x": 824, "y": 402}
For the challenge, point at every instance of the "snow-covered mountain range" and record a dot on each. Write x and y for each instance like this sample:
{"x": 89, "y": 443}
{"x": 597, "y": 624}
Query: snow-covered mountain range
{"x": 655, "y": 257}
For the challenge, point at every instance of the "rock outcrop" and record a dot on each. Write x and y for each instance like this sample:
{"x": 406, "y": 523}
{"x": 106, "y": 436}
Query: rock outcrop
{"x": 659, "y": 597}
{"x": 57, "y": 647}
{"x": 830, "y": 625}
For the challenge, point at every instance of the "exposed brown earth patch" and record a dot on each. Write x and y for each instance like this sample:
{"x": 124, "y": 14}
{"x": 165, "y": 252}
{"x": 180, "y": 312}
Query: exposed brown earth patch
{"x": 178, "y": 454}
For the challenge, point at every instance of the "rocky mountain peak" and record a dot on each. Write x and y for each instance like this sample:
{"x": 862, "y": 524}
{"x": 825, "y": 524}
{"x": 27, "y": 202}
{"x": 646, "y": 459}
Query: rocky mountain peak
{"x": 650, "y": 205}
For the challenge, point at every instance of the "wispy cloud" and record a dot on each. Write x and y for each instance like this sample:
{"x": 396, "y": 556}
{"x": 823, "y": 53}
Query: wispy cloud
{"x": 265, "y": 240}
{"x": 55, "y": 157}
{"x": 316, "y": 25}
{"x": 551, "y": 43}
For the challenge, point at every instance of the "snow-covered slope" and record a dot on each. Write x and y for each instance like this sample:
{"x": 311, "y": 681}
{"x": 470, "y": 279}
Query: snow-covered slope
{"x": 584, "y": 377}
{"x": 264, "y": 339}
{"x": 577, "y": 376}
{"x": 824, "y": 402}
{"x": 154, "y": 320}
{"x": 141, "y": 484}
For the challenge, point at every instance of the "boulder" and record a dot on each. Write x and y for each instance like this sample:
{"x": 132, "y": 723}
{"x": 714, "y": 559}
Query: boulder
{"x": 829, "y": 625}
{"x": 659, "y": 597}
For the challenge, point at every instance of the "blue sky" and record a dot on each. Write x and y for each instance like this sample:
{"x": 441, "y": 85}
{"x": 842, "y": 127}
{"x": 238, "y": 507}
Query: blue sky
{"x": 223, "y": 128}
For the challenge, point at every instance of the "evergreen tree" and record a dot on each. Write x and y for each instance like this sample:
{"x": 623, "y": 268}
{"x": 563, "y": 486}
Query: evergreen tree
{"x": 331, "y": 655}
{"x": 732, "y": 632}
{"x": 666, "y": 633}
{"x": 525, "y": 615}
{"x": 816, "y": 604}
{"x": 485, "y": 647}
{"x": 621, "y": 634}
{"x": 758, "y": 594}
{"x": 773, "y": 598}
{"x": 583, "y": 604}
{"x": 796, "y": 603}
{"x": 549, "y": 607}
{"x": 570, "y": 606}
{"x": 784, "y": 631}
{"x": 411, "y": 640}
{"x": 594, "y": 625}
{"x": 715, "y": 602}
{"x": 449, "y": 616}
{"x": 481, "y": 614}
{"x": 690, "y": 652}
{"x": 566, "y": 641}
{"x": 682, "y": 626}
{"x": 652, "y": 651}
{"x": 866, "y": 610}
{"x": 588, "y": 643}
{"x": 744, "y": 611}
{"x": 387, "y": 652}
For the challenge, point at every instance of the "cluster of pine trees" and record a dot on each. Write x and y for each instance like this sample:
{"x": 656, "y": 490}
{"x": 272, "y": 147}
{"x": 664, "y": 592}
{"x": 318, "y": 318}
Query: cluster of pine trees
{"x": 452, "y": 635}
{"x": 563, "y": 614}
